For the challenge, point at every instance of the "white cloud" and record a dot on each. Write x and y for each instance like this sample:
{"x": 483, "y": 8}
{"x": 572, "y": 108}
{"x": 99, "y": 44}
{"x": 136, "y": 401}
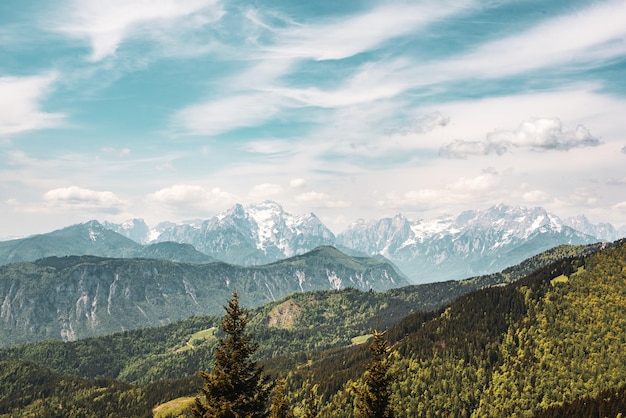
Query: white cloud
{"x": 320, "y": 199}
{"x": 222, "y": 115}
{"x": 461, "y": 149}
{"x": 536, "y": 134}
{"x": 616, "y": 181}
{"x": 266, "y": 190}
{"x": 260, "y": 95}
{"x": 188, "y": 197}
{"x": 544, "y": 134}
{"x": 621, "y": 206}
{"x": 74, "y": 197}
{"x": 297, "y": 183}
{"x": 20, "y": 102}
{"x": 578, "y": 39}
{"x": 463, "y": 191}
{"x": 427, "y": 123}
{"x": 268, "y": 147}
{"x": 348, "y": 36}
{"x": 106, "y": 24}
{"x": 536, "y": 197}
{"x": 372, "y": 82}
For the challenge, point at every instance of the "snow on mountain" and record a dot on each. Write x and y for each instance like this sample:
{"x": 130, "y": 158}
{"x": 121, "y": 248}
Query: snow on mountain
{"x": 135, "y": 229}
{"x": 448, "y": 247}
{"x": 602, "y": 231}
{"x": 473, "y": 243}
{"x": 254, "y": 234}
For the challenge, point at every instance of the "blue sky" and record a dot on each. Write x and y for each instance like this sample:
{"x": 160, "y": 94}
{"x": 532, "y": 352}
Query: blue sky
{"x": 178, "y": 109}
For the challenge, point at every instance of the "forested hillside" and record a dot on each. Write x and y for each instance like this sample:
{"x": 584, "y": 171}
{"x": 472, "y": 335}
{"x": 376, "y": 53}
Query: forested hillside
{"x": 75, "y": 297}
{"x": 552, "y": 337}
{"x": 551, "y": 343}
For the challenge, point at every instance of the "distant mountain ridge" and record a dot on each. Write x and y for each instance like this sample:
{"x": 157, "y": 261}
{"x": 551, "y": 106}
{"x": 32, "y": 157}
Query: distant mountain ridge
{"x": 446, "y": 248}
{"x": 81, "y": 296}
{"x": 472, "y": 243}
{"x": 94, "y": 238}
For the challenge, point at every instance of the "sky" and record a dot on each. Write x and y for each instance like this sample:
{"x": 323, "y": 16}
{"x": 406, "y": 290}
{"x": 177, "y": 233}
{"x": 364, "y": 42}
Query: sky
{"x": 169, "y": 110}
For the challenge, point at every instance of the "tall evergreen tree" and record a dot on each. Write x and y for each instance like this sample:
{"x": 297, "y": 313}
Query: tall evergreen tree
{"x": 279, "y": 403}
{"x": 373, "y": 397}
{"x": 311, "y": 406}
{"x": 236, "y": 387}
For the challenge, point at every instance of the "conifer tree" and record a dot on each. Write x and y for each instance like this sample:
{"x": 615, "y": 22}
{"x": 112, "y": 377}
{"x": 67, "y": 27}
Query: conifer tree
{"x": 311, "y": 407}
{"x": 236, "y": 387}
{"x": 279, "y": 404}
{"x": 373, "y": 396}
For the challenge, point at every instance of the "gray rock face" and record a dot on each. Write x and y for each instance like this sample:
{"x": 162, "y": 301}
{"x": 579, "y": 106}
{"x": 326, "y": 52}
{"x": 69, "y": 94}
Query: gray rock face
{"x": 473, "y": 243}
{"x": 252, "y": 235}
{"x": 135, "y": 229}
{"x": 602, "y": 231}
{"x": 77, "y": 297}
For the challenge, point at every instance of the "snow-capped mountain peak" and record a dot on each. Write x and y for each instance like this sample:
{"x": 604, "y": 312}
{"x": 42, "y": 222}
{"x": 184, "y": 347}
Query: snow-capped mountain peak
{"x": 448, "y": 247}
{"x": 251, "y": 234}
{"x": 602, "y": 231}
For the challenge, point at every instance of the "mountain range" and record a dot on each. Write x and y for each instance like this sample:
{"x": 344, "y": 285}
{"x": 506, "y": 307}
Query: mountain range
{"x": 93, "y": 238}
{"x": 446, "y": 248}
{"x": 80, "y": 296}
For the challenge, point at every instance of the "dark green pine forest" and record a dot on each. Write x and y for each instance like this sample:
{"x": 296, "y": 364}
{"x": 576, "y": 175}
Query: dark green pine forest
{"x": 546, "y": 338}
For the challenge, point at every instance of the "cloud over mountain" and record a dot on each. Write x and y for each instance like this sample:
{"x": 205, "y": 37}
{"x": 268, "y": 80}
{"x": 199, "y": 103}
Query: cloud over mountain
{"x": 535, "y": 134}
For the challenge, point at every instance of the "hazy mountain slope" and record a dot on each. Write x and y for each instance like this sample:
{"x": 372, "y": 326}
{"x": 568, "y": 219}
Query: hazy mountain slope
{"x": 472, "y": 243}
{"x": 173, "y": 251}
{"x": 82, "y": 239}
{"x": 135, "y": 229}
{"x": 603, "y": 231}
{"x": 76, "y": 297}
{"x": 93, "y": 238}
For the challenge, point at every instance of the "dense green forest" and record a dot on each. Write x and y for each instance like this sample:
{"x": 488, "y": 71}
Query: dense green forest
{"x": 551, "y": 343}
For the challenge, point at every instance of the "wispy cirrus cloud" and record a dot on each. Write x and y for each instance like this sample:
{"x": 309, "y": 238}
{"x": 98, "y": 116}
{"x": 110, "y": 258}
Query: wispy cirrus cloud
{"x": 115, "y": 152}
{"x": 580, "y": 39}
{"x": 20, "y": 104}
{"x": 261, "y": 94}
{"x": 345, "y": 37}
{"x": 225, "y": 114}
{"x": 105, "y": 25}
{"x": 536, "y": 134}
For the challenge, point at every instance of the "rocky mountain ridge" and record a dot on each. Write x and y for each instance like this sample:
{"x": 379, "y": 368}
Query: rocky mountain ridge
{"x": 81, "y": 296}
{"x": 449, "y": 247}
{"x": 473, "y": 243}
{"x": 94, "y": 238}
